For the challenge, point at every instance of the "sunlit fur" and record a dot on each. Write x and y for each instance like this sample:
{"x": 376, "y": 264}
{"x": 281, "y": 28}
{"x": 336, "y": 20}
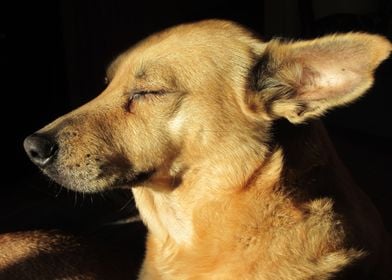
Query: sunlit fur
{"x": 233, "y": 190}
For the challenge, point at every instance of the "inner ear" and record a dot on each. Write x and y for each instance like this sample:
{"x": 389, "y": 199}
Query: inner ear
{"x": 300, "y": 80}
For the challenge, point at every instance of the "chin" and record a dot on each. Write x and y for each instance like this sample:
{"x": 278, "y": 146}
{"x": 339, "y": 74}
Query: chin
{"x": 80, "y": 182}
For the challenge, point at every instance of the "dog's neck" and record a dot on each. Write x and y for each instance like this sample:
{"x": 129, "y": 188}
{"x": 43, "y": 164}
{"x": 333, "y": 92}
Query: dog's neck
{"x": 168, "y": 212}
{"x": 294, "y": 155}
{"x": 311, "y": 165}
{"x": 305, "y": 147}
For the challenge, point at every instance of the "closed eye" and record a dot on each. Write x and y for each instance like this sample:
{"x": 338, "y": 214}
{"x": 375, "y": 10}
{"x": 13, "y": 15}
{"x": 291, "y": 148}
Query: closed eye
{"x": 139, "y": 95}
{"x": 143, "y": 93}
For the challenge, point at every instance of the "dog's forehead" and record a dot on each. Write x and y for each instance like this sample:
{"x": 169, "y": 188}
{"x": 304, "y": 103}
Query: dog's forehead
{"x": 187, "y": 48}
{"x": 200, "y": 35}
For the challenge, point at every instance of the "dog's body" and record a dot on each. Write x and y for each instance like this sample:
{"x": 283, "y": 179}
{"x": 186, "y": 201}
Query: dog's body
{"x": 310, "y": 223}
{"x": 193, "y": 121}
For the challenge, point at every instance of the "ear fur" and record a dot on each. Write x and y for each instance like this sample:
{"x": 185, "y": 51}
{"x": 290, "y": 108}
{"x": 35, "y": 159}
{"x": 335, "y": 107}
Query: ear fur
{"x": 304, "y": 79}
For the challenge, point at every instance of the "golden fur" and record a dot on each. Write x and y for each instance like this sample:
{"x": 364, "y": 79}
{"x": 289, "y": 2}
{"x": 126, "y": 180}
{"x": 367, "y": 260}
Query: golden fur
{"x": 55, "y": 254}
{"x": 194, "y": 120}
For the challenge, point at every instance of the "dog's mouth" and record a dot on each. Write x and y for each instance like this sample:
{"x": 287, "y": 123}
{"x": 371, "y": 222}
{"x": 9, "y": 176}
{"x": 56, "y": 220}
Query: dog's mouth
{"x": 93, "y": 180}
{"x": 136, "y": 180}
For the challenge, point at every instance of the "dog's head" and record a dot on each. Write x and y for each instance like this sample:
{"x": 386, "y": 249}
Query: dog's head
{"x": 199, "y": 98}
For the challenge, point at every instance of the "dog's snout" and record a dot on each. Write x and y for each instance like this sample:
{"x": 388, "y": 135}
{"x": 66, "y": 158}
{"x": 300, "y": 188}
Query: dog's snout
{"x": 40, "y": 148}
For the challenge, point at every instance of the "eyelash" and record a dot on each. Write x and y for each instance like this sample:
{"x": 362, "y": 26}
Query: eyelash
{"x": 139, "y": 95}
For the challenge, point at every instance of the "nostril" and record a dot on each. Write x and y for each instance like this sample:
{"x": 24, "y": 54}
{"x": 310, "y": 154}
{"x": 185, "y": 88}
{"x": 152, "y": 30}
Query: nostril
{"x": 34, "y": 154}
{"x": 40, "y": 148}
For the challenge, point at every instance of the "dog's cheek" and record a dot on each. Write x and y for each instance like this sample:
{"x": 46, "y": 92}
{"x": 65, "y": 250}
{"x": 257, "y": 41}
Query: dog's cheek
{"x": 176, "y": 125}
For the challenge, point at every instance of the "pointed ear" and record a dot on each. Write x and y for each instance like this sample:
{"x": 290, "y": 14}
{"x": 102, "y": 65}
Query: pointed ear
{"x": 302, "y": 80}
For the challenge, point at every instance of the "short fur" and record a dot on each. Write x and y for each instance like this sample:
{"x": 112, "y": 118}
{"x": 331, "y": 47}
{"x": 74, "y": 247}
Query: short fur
{"x": 215, "y": 131}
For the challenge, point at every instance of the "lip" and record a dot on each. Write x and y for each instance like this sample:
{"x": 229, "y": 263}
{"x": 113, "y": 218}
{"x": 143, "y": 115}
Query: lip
{"x": 121, "y": 181}
{"x": 138, "y": 179}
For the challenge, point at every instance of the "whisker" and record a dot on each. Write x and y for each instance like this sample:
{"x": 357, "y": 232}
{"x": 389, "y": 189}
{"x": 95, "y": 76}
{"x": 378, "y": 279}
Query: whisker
{"x": 82, "y": 199}
{"x": 75, "y": 199}
{"x": 128, "y": 220}
{"x": 59, "y": 191}
{"x": 126, "y": 204}
{"x": 103, "y": 196}
{"x": 50, "y": 183}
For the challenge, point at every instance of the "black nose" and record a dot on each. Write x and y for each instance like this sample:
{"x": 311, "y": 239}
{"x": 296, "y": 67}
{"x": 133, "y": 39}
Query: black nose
{"x": 40, "y": 149}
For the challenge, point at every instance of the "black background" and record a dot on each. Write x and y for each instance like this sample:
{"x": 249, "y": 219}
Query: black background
{"x": 55, "y": 54}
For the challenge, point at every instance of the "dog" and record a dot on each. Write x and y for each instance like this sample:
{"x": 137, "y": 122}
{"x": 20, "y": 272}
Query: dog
{"x": 217, "y": 134}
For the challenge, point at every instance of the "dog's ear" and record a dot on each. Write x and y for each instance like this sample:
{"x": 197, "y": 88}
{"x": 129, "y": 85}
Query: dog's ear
{"x": 302, "y": 80}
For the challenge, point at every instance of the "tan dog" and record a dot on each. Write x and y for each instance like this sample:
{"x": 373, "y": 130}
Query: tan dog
{"x": 193, "y": 121}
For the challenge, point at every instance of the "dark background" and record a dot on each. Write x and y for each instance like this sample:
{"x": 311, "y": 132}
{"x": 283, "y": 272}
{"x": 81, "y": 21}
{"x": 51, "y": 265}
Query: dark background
{"x": 55, "y": 55}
